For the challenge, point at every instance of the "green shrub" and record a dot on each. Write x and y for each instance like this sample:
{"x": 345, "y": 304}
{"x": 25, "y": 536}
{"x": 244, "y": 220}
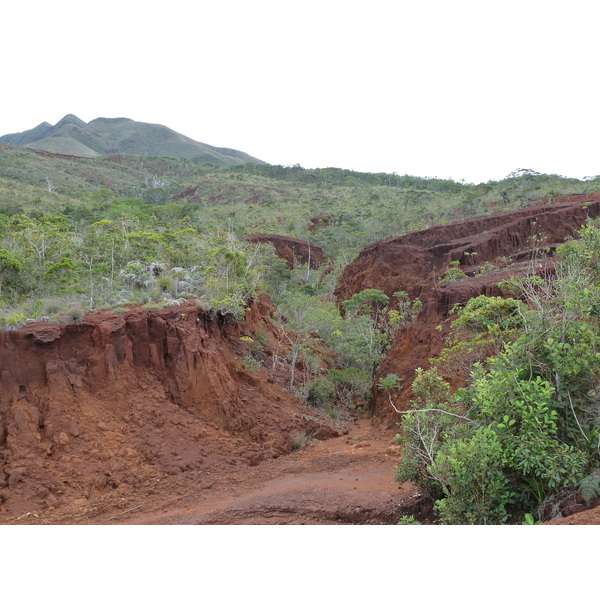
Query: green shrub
{"x": 166, "y": 285}
{"x": 321, "y": 391}
{"x": 525, "y": 415}
{"x": 75, "y": 314}
{"x": 333, "y": 411}
{"x": 486, "y": 268}
{"x": 511, "y": 458}
{"x": 425, "y": 428}
{"x": 350, "y": 389}
{"x": 251, "y": 364}
{"x": 13, "y": 320}
{"x": 428, "y": 386}
{"x": 156, "y": 305}
{"x": 589, "y": 487}
{"x": 203, "y": 304}
{"x": 476, "y": 487}
{"x": 422, "y": 435}
{"x": 408, "y": 520}
{"x": 54, "y": 306}
{"x": 453, "y": 273}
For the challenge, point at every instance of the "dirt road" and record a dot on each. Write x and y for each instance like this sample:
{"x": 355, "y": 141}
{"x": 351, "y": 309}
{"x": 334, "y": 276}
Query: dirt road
{"x": 343, "y": 480}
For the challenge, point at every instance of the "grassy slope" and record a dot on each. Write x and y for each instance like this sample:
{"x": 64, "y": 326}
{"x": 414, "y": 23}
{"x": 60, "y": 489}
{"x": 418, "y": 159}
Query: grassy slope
{"x": 264, "y": 198}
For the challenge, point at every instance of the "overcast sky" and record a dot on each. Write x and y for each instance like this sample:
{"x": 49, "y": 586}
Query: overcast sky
{"x": 444, "y": 88}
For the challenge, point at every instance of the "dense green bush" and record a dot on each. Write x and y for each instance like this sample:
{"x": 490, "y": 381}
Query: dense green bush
{"x": 532, "y": 416}
{"x": 477, "y": 491}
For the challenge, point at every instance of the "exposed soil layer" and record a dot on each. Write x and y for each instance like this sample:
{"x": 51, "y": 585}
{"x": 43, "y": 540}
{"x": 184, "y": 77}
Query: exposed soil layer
{"x": 292, "y": 250}
{"x": 344, "y": 480}
{"x": 488, "y": 249}
{"x": 341, "y": 480}
{"x": 119, "y": 400}
{"x": 584, "y": 517}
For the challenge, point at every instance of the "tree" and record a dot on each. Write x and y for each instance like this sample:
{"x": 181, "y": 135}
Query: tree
{"x": 9, "y": 267}
{"x": 303, "y": 316}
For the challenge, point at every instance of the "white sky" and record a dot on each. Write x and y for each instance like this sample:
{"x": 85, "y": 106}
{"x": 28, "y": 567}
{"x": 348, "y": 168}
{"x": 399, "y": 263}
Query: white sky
{"x": 442, "y": 88}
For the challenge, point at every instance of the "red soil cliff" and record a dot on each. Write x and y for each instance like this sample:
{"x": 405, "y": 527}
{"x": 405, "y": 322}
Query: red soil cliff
{"x": 415, "y": 262}
{"x": 292, "y": 250}
{"x": 118, "y": 400}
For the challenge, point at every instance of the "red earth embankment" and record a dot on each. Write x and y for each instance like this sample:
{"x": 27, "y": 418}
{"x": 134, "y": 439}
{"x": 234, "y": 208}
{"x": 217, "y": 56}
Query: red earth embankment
{"x": 503, "y": 244}
{"x": 292, "y": 250}
{"x": 101, "y": 409}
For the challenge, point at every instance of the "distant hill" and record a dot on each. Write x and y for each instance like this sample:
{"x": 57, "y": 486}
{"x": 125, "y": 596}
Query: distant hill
{"x": 73, "y": 136}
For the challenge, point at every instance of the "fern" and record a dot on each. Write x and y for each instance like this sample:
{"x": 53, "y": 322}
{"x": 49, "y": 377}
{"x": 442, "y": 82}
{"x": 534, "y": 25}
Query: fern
{"x": 589, "y": 487}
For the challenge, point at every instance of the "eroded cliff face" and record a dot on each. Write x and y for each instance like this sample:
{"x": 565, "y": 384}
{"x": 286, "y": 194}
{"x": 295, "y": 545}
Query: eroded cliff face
{"x": 119, "y": 399}
{"x": 292, "y": 250}
{"x": 415, "y": 263}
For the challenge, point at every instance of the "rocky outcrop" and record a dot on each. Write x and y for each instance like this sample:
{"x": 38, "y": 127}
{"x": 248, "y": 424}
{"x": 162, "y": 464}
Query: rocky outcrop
{"x": 488, "y": 250}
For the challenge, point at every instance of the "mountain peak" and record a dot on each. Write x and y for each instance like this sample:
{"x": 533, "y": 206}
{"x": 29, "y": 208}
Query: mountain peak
{"x": 70, "y": 119}
{"x": 120, "y": 135}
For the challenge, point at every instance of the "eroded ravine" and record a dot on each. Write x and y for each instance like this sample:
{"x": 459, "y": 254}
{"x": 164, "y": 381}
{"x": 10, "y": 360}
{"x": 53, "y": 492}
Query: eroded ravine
{"x": 149, "y": 416}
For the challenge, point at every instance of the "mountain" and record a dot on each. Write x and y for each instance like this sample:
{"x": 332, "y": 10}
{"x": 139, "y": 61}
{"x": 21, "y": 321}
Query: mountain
{"x": 74, "y": 137}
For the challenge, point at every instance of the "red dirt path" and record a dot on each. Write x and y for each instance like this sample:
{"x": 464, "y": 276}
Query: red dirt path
{"x": 343, "y": 480}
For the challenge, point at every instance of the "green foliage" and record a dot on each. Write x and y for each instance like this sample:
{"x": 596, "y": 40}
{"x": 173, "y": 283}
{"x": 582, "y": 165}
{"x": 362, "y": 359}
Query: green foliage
{"x": 529, "y": 519}
{"x": 75, "y": 314}
{"x": 13, "y": 319}
{"x": 508, "y": 458}
{"x": 453, "y": 273}
{"x": 589, "y": 487}
{"x": 349, "y": 389}
{"x": 533, "y": 408}
{"x": 482, "y": 328}
{"x": 366, "y": 302}
{"x": 251, "y": 364}
{"x": 389, "y": 382}
{"x": 486, "y": 268}
{"x": 425, "y": 429}
{"x": 493, "y": 315}
{"x": 429, "y": 387}
{"x": 321, "y": 391}
{"x": 361, "y": 343}
{"x": 10, "y": 267}
{"x": 406, "y": 310}
{"x": 369, "y": 326}
{"x": 303, "y": 317}
{"x": 523, "y": 413}
{"x": 477, "y": 491}
{"x": 408, "y": 520}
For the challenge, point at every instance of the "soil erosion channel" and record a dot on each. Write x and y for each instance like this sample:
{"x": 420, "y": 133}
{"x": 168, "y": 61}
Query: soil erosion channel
{"x": 149, "y": 416}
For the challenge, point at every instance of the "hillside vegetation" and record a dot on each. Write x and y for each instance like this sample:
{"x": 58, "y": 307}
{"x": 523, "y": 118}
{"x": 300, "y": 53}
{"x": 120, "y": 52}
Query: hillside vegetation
{"x": 109, "y": 232}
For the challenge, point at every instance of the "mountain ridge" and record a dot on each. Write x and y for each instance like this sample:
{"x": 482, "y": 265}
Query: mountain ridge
{"x": 121, "y": 135}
